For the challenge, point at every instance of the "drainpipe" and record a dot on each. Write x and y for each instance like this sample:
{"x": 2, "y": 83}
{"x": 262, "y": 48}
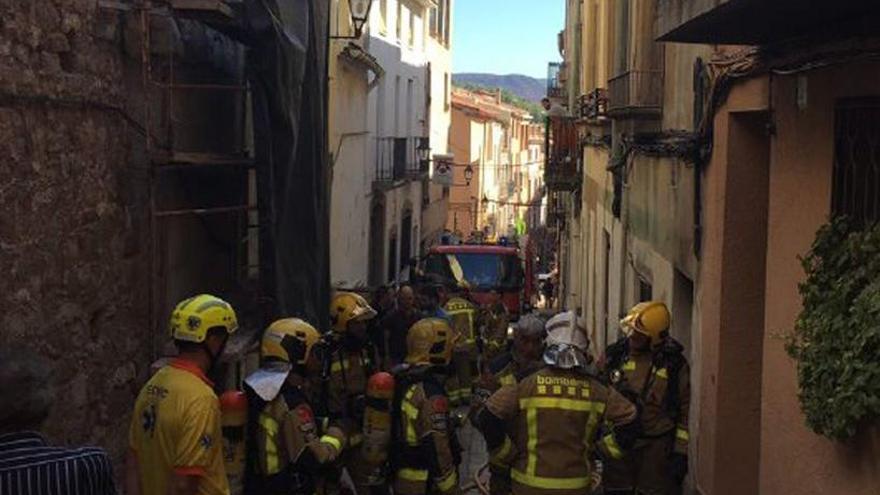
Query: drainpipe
{"x": 624, "y": 225}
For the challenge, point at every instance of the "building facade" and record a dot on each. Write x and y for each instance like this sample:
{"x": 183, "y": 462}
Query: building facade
{"x": 791, "y": 112}
{"x": 385, "y": 210}
{"x": 141, "y": 166}
{"x": 625, "y": 212}
{"x": 498, "y": 172}
{"x": 699, "y": 136}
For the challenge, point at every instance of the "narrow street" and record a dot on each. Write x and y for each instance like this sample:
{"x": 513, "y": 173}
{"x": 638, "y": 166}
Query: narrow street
{"x": 611, "y": 246}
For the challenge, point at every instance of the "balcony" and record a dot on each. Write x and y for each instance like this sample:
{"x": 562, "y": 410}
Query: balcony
{"x": 555, "y": 88}
{"x": 636, "y": 92}
{"x": 593, "y": 105}
{"x": 562, "y": 167}
{"x": 397, "y": 160}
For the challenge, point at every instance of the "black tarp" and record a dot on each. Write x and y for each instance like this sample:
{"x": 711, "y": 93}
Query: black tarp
{"x": 287, "y": 66}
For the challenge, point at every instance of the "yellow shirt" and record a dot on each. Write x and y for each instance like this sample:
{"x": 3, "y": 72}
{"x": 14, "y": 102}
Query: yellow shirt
{"x": 176, "y": 428}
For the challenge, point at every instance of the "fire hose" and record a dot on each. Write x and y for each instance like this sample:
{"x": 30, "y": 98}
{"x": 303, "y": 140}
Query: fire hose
{"x": 477, "y": 482}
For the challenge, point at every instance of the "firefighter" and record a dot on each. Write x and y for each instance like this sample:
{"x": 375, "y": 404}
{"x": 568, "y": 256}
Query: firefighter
{"x": 350, "y": 366}
{"x": 560, "y": 418}
{"x": 494, "y": 321}
{"x": 462, "y": 313}
{"x": 425, "y": 452}
{"x": 507, "y": 369}
{"x": 286, "y": 447}
{"x": 649, "y": 367}
{"x": 175, "y": 439}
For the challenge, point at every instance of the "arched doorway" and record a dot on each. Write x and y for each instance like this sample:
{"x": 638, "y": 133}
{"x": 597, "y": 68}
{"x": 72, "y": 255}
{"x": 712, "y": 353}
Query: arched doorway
{"x": 377, "y": 244}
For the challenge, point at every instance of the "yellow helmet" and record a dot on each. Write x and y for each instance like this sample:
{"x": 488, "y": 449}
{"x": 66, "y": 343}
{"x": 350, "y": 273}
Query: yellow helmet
{"x": 194, "y": 317}
{"x": 430, "y": 341}
{"x": 648, "y": 318}
{"x": 347, "y": 307}
{"x": 289, "y": 340}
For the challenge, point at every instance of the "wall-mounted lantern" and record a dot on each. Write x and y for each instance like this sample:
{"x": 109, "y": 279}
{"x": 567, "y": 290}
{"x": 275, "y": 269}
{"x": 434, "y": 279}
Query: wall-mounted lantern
{"x": 360, "y": 13}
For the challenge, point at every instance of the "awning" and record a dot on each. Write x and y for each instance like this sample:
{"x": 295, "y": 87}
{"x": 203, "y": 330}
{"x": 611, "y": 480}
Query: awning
{"x": 760, "y": 22}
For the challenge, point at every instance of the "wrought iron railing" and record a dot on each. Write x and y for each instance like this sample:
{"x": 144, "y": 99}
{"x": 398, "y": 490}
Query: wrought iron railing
{"x": 593, "y": 105}
{"x": 397, "y": 158}
{"x": 562, "y": 170}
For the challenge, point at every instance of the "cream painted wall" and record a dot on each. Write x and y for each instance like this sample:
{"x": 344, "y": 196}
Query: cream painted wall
{"x": 349, "y": 142}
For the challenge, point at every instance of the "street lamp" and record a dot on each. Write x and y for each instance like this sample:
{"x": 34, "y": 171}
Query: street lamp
{"x": 360, "y": 12}
{"x": 424, "y": 150}
{"x": 468, "y": 174}
{"x": 484, "y": 203}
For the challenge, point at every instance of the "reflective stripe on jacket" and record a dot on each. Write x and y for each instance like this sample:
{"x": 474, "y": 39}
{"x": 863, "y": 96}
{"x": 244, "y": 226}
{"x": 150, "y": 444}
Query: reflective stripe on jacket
{"x": 556, "y": 415}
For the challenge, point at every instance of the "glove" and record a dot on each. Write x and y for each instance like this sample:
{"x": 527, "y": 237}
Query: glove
{"x": 678, "y": 466}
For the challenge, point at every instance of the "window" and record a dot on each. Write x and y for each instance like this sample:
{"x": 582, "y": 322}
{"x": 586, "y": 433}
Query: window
{"x": 855, "y": 190}
{"x": 392, "y": 259}
{"x": 481, "y": 271}
{"x": 399, "y": 20}
{"x": 412, "y": 29}
{"x": 410, "y": 104}
{"x": 397, "y": 106}
{"x": 406, "y": 231}
{"x": 446, "y": 14}
{"x": 446, "y": 84}
{"x": 434, "y": 22}
{"x": 383, "y": 16}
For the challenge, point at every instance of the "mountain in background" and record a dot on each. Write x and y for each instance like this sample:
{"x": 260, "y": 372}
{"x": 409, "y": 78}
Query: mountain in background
{"x": 527, "y": 88}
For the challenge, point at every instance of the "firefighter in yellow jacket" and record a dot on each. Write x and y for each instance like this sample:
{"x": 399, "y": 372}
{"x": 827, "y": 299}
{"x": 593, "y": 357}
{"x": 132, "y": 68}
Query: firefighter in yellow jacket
{"x": 493, "y": 322}
{"x": 561, "y": 417}
{"x": 649, "y": 367}
{"x": 351, "y": 363}
{"x": 286, "y": 444}
{"x": 424, "y": 456}
{"x": 508, "y": 369}
{"x": 463, "y": 314}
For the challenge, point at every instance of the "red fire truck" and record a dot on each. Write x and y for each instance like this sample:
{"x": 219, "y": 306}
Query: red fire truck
{"x": 483, "y": 268}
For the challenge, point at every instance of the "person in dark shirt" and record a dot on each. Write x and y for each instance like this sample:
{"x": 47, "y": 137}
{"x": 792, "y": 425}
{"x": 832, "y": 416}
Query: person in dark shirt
{"x": 29, "y": 465}
{"x": 398, "y": 323}
{"x": 383, "y": 302}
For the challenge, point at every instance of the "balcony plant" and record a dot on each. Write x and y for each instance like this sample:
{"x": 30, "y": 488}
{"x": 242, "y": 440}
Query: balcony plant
{"x": 836, "y": 339}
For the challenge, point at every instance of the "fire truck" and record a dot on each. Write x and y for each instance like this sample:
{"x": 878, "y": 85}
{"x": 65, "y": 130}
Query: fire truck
{"x": 483, "y": 268}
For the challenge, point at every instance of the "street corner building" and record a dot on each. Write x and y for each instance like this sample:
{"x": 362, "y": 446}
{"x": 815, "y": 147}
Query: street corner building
{"x": 389, "y": 133}
{"x": 702, "y": 145}
{"x": 152, "y": 151}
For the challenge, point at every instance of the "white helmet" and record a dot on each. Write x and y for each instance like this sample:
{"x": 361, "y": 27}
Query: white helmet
{"x": 567, "y": 342}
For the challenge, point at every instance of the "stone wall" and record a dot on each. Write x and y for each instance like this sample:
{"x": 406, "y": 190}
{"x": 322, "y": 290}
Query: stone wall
{"x": 74, "y": 261}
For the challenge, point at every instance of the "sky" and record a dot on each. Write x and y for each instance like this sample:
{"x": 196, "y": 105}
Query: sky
{"x": 506, "y": 36}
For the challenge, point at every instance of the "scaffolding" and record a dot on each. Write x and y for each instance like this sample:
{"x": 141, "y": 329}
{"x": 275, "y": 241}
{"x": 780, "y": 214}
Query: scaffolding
{"x": 168, "y": 161}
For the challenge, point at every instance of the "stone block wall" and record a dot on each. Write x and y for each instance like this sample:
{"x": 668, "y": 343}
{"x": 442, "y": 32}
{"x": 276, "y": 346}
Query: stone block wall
{"x": 73, "y": 241}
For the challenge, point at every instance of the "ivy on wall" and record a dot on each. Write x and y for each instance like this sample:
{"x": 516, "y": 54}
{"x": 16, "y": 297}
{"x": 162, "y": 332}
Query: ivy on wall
{"x": 836, "y": 341}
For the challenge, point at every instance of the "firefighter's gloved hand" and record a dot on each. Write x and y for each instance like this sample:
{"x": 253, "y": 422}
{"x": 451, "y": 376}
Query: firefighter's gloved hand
{"x": 678, "y": 466}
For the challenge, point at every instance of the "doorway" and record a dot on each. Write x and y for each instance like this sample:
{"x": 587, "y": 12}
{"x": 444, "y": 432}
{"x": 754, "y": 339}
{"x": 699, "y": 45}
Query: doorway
{"x": 377, "y": 244}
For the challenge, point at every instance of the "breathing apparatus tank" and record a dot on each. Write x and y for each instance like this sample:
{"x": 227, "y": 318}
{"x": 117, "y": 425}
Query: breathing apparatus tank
{"x": 377, "y": 418}
{"x": 233, "y": 409}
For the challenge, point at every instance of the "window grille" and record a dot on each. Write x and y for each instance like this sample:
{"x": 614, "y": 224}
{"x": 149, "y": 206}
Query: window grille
{"x": 856, "y": 184}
